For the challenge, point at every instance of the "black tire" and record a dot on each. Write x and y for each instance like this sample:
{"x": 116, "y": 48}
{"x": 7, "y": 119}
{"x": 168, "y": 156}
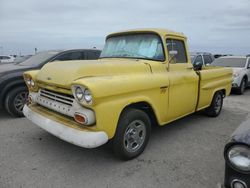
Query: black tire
{"x": 15, "y": 100}
{"x": 242, "y": 88}
{"x": 133, "y": 125}
{"x": 215, "y": 108}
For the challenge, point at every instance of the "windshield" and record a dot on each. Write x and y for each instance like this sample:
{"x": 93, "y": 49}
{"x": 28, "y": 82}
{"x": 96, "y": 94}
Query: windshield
{"x": 229, "y": 62}
{"x": 39, "y": 58}
{"x": 139, "y": 46}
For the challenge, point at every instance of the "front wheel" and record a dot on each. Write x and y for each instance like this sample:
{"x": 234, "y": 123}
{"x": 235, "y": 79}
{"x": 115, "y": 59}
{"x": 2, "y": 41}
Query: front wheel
{"x": 215, "y": 108}
{"x": 132, "y": 134}
{"x": 242, "y": 87}
{"x": 15, "y": 101}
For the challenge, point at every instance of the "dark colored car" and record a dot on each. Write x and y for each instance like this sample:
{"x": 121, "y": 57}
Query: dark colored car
{"x": 237, "y": 156}
{"x": 13, "y": 91}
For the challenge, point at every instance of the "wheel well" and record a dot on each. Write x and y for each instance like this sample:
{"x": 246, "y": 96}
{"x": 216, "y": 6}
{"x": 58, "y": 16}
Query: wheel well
{"x": 224, "y": 92}
{"x": 8, "y": 89}
{"x": 245, "y": 77}
{"x": 146, "y": 107}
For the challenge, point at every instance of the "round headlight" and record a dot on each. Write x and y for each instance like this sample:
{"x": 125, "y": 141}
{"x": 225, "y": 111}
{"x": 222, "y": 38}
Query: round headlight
{"x": 87, "y": 96}
{"x": 29, "y": 82}
{"x": 239, "y": 157}
{"x": 79, "y": 93}
{"x": 32, "y": 83}
{"x": 236, "y": 75}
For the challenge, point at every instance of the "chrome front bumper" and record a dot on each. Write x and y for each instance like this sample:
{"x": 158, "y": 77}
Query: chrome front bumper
{"x": 77, "y": 137}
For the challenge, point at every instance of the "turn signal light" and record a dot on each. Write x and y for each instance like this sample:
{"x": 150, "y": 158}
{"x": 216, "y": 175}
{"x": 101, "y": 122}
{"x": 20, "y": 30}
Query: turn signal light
{"x": 80, "y": 118}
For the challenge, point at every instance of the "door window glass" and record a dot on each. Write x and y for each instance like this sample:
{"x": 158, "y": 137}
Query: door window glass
{"x": 69, "y": 56}
{"x": 92, "y": 54}
{"x": 179, "y": 46}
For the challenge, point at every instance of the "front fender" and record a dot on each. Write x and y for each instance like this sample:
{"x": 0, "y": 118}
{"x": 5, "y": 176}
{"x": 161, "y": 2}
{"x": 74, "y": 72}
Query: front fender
{"x": 112, "y": 94}
{"x": 109, "y": 110}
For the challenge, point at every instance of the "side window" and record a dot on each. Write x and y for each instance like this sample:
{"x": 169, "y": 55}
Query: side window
{"x": 69, "y": 56}
{"x": 179, "y": 46}
{"x": 92, "y": 54}
{"x": 207, "y": 59}
{"x": 198, "y": 59}
{"x": 248, "y": 62}
{"x": 76, "y": 56}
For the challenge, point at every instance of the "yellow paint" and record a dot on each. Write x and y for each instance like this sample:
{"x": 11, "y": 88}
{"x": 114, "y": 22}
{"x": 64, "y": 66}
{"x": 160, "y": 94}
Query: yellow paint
{"x": 171, "y": 89}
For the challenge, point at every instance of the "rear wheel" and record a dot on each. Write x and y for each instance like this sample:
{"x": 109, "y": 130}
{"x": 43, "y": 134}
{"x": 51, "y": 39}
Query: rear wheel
{"x": 215, "y": 108}
{"x": 132, "y": 134}
{"x": 242, "y": 87}
{"x": 15, "y": 101}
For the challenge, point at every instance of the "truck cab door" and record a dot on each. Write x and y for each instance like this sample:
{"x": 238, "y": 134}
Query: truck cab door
{"x": 183, "y": 89}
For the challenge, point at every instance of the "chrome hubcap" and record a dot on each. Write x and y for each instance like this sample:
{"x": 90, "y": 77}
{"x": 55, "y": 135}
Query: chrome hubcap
{"x": 134, "y": 136}
{"x": 20, "y": 100}
{"x": 218, "y": 103}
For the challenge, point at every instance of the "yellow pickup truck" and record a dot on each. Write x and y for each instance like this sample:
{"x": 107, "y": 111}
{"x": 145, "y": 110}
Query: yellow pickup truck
{"x": 143, "y": 77}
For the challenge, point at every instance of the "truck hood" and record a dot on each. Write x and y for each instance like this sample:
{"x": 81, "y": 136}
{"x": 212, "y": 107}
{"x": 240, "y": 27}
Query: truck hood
{"x": 62, "y": 74}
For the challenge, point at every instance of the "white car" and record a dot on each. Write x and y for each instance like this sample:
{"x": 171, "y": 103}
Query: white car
{"x": 241, "y": 70}
{"x": 6, "y": 59}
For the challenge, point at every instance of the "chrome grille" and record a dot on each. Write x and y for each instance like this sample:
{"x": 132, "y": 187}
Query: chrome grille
{"x": 58, "y": 102}
{"x": 58, "y": 97}
{"x": 61, "y": 103}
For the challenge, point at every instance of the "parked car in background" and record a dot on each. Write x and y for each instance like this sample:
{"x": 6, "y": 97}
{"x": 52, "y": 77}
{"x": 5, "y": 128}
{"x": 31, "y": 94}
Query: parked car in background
{"x": 202, "y": 57}
{"x": 143, "y": 77}
{"x": 6, "y": 59}
{"x": 237, "y": 157}
{"x": 241, "y": 70}
{"x": 20, "y": 59}
{"x": 221, "y": 55}
{"x": 14, "y": 93}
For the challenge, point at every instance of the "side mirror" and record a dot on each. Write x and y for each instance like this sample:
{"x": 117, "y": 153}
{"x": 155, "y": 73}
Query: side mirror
{"x": 197, "y": 66}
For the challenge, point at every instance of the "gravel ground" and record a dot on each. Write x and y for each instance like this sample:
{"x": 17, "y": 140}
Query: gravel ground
{"x": 186, "y": 153}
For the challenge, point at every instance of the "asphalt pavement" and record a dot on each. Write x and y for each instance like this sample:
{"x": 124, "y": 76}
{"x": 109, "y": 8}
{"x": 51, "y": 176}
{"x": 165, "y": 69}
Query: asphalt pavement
{"x": 186, "y": 153}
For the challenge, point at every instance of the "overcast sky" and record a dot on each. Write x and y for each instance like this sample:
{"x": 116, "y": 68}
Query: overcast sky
{"x": 217, "y": 26}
